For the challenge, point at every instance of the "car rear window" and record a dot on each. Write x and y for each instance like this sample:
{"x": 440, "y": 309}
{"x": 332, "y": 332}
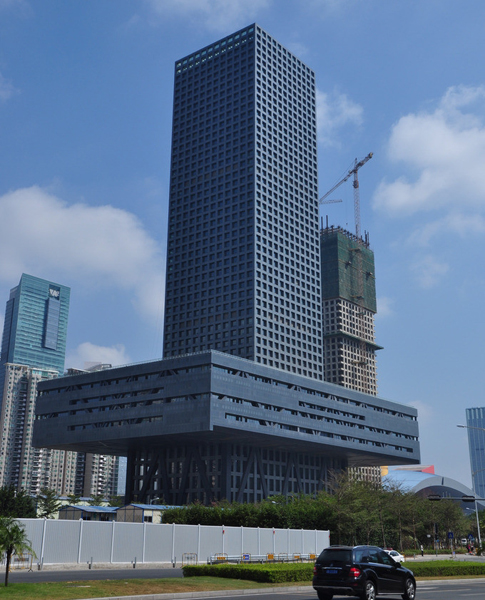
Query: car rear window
{"x": 331, "y": 555}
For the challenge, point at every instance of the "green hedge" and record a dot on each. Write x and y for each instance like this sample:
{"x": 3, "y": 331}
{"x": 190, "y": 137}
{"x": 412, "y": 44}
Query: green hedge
{"x": 283, "y": 573}
{"x": 445, "y": 568}
{"x": 279, "y": 573}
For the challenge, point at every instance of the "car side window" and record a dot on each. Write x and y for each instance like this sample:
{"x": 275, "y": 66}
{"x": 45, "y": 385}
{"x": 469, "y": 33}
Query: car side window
{"x": 359, "y": 555}
{"x": 384, "y": 558}
{"x": 373, "y": 555}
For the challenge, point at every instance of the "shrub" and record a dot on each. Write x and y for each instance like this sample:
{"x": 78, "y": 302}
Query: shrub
{"x": 446, "y": 568}
{"x": 279, "y": 573}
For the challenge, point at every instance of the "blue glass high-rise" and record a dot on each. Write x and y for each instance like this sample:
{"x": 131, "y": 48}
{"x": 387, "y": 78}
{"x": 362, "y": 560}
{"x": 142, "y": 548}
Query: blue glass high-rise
{"x": 243, "y": 270}
{"x": 475, "y": 421}
{"x": 35, "y": 328}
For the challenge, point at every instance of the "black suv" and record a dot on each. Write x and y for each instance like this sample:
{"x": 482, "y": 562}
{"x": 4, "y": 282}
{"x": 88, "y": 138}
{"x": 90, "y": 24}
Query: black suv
{"x": 362, "y": 571}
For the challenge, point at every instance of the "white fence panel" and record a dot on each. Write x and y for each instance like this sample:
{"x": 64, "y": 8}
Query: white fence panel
{"x": 34, "y": 529}
{"x": 250, "y": 543}
{"x": 281, "y": 541}
{"x": 210, "y": 541}
{"x": 96, "y": 541}
{"x": 158, "y": 543}
{"x": 266, "y": 541}
{"x": 232, "y": 540}
{"x": 61, "y": 543}
{"x": 295, "y": 542}
{"x": 323, "y": 540}
{"x": 128, "y": 543}
{"x": 185, "y": 540}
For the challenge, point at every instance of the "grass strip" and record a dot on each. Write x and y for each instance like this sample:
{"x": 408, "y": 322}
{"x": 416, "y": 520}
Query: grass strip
{"x": 73, "y": 590}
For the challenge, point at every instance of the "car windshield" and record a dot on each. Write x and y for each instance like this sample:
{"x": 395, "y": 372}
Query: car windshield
{"x": 336, "y": 555}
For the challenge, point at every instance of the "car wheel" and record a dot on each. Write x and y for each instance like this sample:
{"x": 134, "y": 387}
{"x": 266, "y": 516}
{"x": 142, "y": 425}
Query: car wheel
{"x": 409, "y": 590}
{"x": 369, "y": 591}
{"x": 324, "y": 595}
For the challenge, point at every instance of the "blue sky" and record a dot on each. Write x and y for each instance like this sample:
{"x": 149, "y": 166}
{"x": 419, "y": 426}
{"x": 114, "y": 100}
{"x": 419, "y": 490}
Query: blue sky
{"x": 85, "y": 125}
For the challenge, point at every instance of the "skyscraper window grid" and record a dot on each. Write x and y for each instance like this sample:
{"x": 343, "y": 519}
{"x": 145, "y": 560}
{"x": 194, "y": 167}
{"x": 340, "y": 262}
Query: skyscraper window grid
{"x": 243, "y": 266}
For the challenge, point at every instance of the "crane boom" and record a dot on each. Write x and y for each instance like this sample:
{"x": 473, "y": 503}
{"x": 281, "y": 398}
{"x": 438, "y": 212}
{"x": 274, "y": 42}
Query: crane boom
{"x": 335, "y": 187}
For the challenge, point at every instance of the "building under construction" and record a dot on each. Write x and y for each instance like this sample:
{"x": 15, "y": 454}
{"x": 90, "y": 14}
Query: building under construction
{"x": 349, "y": 306}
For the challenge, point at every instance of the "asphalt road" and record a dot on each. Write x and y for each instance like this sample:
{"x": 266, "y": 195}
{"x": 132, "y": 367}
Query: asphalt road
{"x": 470, "y": 589}
{"x": 91, "y": 575}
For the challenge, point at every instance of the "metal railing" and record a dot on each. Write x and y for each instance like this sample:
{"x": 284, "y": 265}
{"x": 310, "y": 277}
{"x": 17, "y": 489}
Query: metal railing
{"x": 220, "y": 558}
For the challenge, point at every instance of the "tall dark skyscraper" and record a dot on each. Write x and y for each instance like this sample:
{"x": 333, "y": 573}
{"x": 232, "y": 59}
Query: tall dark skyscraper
{"x": 243, "y": 271}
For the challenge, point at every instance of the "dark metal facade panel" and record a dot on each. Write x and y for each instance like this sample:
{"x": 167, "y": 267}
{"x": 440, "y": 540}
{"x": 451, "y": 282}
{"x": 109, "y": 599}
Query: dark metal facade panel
{"x": 214, "y": 396}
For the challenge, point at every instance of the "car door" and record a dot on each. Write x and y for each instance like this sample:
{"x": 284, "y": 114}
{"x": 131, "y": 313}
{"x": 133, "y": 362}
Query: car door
{"x": 391, "y": 572}
{"x": 382, "y": 570}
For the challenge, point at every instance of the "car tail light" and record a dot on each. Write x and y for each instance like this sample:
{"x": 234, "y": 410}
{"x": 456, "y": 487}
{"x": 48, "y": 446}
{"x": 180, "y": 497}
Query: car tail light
{"x": 314, "y": 569}
{"x": 355, "y": 572}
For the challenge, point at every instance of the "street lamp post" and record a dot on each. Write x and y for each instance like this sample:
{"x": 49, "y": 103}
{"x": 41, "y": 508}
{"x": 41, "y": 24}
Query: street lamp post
{"x": 473, "y": 484}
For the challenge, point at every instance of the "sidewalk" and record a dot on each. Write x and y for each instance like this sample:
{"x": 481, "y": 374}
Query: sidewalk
{"x": 460, "y": 557}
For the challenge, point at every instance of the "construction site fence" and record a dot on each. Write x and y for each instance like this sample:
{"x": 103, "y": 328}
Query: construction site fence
{"x": 93, "y": 542}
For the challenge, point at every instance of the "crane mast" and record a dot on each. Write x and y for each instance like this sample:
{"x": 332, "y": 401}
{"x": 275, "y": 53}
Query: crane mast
{"x": 355, "y": 171}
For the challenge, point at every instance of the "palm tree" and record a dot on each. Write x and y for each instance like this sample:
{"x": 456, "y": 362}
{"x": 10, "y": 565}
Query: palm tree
{"x": 13, "y": 540}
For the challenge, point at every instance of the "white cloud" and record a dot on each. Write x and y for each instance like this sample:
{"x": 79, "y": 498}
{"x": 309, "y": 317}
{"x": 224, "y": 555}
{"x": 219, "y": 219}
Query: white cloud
{"x": 335, "y": 111}
{"x": 453, "y": 223}
{"x": 7, "y": 90}
{"x": 98, "y": 247}
{"x": 22, "y": 7}
{"x": 429, "y": 271}
{"x": 384, "y": 306}
{"x": 445, "y": 150}
{"x": 9, "y": 3}
{"x": 426, "y": 414}
{"x": 87, "y": 354}
{"x": 216, "y": 15}
{"x": 298, "y": 49}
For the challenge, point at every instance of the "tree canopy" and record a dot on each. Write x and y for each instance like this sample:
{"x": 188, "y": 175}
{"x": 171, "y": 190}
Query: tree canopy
{"x": 15, "y": 503}
{"x": 47, "y": 503}
{"x": 355, "y": 512}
